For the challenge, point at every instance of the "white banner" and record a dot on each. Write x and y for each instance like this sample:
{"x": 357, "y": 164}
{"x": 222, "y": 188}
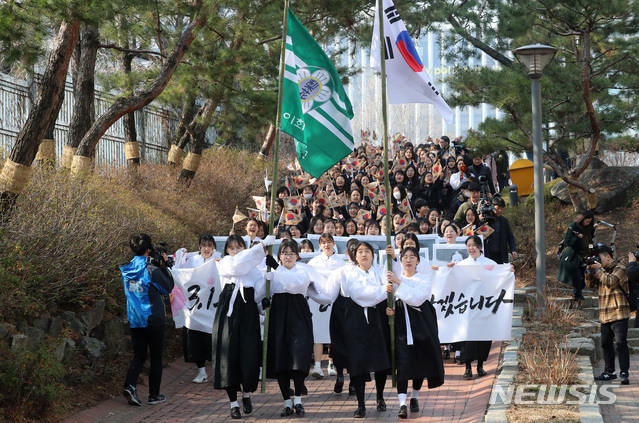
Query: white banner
{"x": 473, "y": 303}
{"x": 195, "y": 296}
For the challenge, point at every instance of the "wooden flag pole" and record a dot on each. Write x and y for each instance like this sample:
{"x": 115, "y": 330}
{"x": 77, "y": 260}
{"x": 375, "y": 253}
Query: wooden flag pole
{"x": 276, "y": 159}
{"x": 391, "y": 297}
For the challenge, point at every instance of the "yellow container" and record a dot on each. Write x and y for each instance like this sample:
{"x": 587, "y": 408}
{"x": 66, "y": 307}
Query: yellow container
{"x": 522, "y": 175}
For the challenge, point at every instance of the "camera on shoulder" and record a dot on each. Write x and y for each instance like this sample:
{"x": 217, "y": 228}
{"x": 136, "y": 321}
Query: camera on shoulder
{"x": 155, "y": 256}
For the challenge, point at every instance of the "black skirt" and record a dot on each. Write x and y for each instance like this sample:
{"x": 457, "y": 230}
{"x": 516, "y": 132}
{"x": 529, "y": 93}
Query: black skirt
{"x": 197, "y": 345}
{"x": 475, "y": 350}
{"x": 367, "y": 343}
{"x": 236, "y": 341}
{"x": 290, "y": 335}
{"x": 338, "y": 351}
{"x": 423, "y": 359}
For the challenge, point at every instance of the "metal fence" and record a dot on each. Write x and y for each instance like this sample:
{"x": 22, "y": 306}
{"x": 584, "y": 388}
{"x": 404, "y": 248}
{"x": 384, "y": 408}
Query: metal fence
{"x": 154, "y": 125}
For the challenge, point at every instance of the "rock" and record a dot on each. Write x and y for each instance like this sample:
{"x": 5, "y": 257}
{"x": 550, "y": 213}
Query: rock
{"x": 614, "y": 186}
{"x": 6, "y": 329}
{"x": 42, "y": 323}
{"x": 92, "y": 318}
{"x": 595, "y": 163}
{"x": 113, "y": 333}
{"x": 517, "y": 334}
{"x": 19, "y": 342}
{"x": 55, "y": 328}
{"x": 35, "y": 337}
{"x": 74, "y": 323}
{"x": 92, "y": 347}
{"x": 69, "y": 350}
{"x": 583, "y": 346}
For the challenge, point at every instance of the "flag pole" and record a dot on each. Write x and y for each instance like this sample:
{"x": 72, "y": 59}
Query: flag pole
{"x": 391, "y": 297}
{"x": 276, "y": 159}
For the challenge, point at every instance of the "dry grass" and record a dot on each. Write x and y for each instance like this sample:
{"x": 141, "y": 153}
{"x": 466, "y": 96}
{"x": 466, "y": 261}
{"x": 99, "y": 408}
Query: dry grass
{"x": 543, "y": 361}
{"x": 543, "y": 413}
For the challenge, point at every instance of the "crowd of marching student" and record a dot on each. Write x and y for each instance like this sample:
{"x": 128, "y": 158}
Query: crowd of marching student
{"x": 430, "y": 183}
{"x": 428, "y": 194}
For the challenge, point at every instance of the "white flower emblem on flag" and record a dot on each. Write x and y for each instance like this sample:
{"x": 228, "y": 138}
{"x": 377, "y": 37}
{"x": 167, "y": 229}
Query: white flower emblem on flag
{"x": 314, "y": 88}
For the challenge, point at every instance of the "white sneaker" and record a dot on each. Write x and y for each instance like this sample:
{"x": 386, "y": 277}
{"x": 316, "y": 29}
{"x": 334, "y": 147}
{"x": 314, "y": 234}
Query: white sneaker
{"x": 317, "y": 372}
{"x": 332, "y": 371}
{"x": 201, "y": 378}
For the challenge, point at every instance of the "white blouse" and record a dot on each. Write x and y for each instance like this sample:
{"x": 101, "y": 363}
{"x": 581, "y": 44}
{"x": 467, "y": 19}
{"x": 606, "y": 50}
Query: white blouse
{"x": 241, "y": 269}
{"x": 332, "y": 262}
{"x": 481, "y": 260}
{"x": 365, "y": 288}
{"x": 413, "y": 291}
{"x": 301, "y": 279}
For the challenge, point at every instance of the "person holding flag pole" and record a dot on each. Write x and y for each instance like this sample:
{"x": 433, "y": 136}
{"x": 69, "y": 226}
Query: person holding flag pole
{"x": 408, "y": 82}
{"x": 314, "y": 109}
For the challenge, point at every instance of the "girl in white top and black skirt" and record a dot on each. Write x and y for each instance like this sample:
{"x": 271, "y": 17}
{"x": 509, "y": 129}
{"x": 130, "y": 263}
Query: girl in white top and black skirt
{"x": 290, "y": 331}
{"x": 417, "y": 351}
{"x": 236, "y": 329}
{"x": 475, "y": 350}
{"x": 366, "y": 327}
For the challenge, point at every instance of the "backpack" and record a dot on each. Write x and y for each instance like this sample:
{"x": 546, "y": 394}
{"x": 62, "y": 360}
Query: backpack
{"x": 560, "y": 249}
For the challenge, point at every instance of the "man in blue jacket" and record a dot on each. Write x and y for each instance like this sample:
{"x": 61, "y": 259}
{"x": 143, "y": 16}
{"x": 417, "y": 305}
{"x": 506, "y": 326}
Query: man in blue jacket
{"x": 144, "y": 285}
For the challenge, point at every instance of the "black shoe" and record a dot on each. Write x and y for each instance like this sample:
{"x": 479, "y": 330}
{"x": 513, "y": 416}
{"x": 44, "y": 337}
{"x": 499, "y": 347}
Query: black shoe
{"x": 351, "y": 390}
{"x": 481, "y": 372}
{"x": 339, "y": 385}
{"x": 156, "y": 399}
{"x": 299, "y": 409}
{"x": 360, "y": 413}
{"x": 235, "y": 413}
{"x": 403, "y": 412}
{"x": 468, "y": 374}
{"x": 247, "y": 406}
{"x": 446, "y": 354}
{"x": 131, "y": 395}
{"x": 623, "y": 377}
{"x": 286, "y": 412}
{"x": 414, "y": 405}
{"x": 381, "y": 405}
{"x": 605, "y": 376}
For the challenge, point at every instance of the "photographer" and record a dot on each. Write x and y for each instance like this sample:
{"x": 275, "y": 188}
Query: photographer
{"x": 632, "y": 271}
{"x": 609, "y": 276}
{"x": 502, "y": 239}
{"x": 479, "y": 169}
{"x": 577, "y": 242}
{"x": 473, "y": 201}
{"x": 144, "y": 285}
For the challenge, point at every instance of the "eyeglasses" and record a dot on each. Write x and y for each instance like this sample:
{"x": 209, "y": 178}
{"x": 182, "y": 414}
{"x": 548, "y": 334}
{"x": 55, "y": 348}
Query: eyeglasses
{"x": 410, "y": 257}
{"x": 289, "y": 255}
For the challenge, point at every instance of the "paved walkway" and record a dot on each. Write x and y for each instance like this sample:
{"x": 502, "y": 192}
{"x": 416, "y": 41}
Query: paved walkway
{"x": 626, "y": 407}
{"x": 458, "y": 400}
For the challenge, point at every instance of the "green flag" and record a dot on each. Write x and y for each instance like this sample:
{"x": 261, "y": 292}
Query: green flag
{"x": 315, "y": 108}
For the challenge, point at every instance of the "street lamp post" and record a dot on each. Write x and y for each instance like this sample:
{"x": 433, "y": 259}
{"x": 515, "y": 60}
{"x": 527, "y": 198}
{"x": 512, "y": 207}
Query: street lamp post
{"x": 535, "y": 58}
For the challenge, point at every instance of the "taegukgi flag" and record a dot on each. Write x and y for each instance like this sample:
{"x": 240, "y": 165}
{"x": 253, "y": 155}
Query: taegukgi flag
{"x": 408, "y": 81}
{"x": 315, "y": 108}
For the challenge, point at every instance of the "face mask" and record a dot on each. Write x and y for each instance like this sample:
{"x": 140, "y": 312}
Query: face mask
{"x": 308, "y": 196}
{"x": 397, "y": 195}
{"x": 409, "y": 195}
{"x": 466, "y": 194}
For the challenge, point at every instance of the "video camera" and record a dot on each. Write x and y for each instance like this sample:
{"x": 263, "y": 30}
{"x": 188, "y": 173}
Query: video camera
{"x": 485, "y": 207}
{"x": 458, "y": 146}
{"x": 594, "y": 255}
{"x": 155, "y": 256}
{"x": 636, "y": 253}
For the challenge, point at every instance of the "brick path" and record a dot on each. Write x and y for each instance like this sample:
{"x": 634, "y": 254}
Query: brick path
{"x": 626, "y": 407}
{"x": 458, "y": 400}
